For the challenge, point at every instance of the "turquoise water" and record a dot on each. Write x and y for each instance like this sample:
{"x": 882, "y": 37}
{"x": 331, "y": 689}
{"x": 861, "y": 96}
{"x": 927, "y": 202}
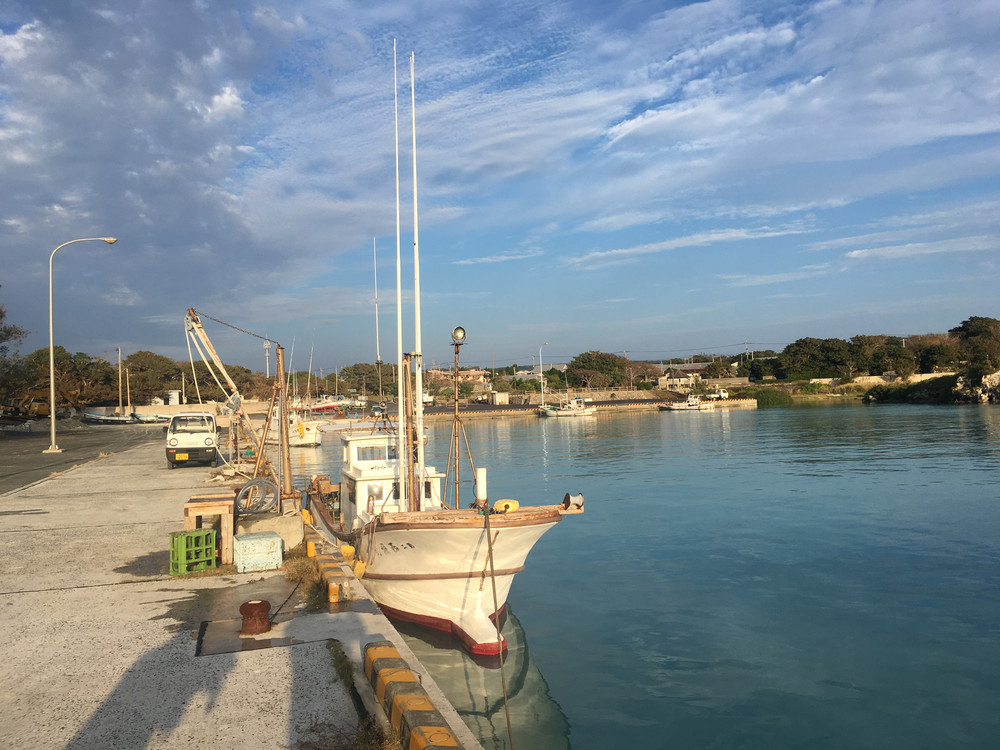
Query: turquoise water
{"x": 810, "y": 577}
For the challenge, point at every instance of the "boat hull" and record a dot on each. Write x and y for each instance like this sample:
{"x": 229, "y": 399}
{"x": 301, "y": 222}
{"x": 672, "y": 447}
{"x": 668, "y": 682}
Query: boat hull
{"x": 434, "y": 568}
{"x": 556, "y": 412}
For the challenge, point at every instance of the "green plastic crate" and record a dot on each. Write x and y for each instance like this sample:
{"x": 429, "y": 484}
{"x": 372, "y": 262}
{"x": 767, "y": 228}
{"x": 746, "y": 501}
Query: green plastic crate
{"x": 191, "y": 551}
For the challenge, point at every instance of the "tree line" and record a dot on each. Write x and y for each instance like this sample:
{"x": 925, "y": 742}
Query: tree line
{"x": 971, "y": 348}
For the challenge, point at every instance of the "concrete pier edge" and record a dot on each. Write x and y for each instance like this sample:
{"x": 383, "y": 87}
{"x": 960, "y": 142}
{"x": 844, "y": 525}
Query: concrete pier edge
{"x": 392, "y": 684}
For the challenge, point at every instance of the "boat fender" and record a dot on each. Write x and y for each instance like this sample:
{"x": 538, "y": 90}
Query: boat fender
{"x": 505, "y": 506}
{"x": 359, "y": 569}
{"x": 347, "y": 551}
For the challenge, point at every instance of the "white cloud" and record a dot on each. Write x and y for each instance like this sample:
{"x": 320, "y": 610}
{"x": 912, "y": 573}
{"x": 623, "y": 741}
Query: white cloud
{"x": 248, "y": 141}
{"x": 806, "y": 272}
{"x": 503, "y": 258}
{"x": 915, "y": 249}
{"x": 603, "y": 258}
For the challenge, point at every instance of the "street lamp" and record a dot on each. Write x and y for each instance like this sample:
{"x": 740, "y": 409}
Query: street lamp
{"x": 541, "y": 373}
{"x": 53, "y": 448}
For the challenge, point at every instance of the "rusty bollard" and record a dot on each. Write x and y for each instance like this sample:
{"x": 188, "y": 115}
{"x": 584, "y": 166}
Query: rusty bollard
{"x": 255, "y": 619}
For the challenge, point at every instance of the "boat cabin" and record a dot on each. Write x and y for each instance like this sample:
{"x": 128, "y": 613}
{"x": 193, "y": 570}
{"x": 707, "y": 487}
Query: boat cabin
{"x": 369, "y": 482}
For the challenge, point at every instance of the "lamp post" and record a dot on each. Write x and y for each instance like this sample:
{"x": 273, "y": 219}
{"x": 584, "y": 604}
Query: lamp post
{"x": 53, "y": 448}
{"x": 541, "y": 373}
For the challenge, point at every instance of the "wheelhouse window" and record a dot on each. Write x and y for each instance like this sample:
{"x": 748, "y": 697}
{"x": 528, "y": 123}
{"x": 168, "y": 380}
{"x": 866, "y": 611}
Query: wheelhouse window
{"x": 376, "y": 452}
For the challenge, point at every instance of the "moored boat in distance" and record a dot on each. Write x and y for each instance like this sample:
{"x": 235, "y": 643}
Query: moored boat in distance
{"x": 715, "y": 401}
{"x": 570, "y": 407}
{"x": 302, "y": 433}
{"x": 94, "y": 418}
{"x": 692, "y": 403}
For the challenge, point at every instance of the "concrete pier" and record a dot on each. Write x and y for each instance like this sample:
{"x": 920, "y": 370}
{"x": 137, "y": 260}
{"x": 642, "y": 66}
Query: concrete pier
{"x": 105, "y": 649}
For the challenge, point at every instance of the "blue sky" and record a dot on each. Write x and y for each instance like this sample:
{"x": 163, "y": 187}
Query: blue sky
{"x": 656, "y": 178}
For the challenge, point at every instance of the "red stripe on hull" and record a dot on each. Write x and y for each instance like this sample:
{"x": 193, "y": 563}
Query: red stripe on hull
{"x": 490, "y": 648}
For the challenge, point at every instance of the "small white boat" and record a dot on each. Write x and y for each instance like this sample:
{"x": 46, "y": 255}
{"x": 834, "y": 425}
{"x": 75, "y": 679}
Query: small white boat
{"x": 150, "y": 418}
{"x": 693, "y": 403}
{"x": 94, "y": 418}
{"x": 302, "y": 433}
{"x": 571, "y": 407}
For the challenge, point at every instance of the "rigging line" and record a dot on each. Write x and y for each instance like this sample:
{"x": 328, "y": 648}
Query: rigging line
{"x": 235, "y": 328}
{"x": 194, "y": 374}
{"x": 496, "y": 621}
{"x": 208, "y": 367}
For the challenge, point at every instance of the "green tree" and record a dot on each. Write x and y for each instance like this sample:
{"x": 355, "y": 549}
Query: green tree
{"x": 897, "y": 359}
{"x": 9, "y": 333}
{"x": 717, "y": 369}
{"x": 363, "y": 378}
{"x": 80, "y": 377}
{"x": 863, "y": 350}
{"x": 979, "y": 339}
{"x": 149, "y": 375}
{"x": 554, "y": 379}
{"x": 611, "y": 367}
{"x": 758, "y": 368}
{"x": 800, "y": 359}
{"x": 936, "y": 353}
{"x": 590, "y": 379}
{"x": 14, "y": 375}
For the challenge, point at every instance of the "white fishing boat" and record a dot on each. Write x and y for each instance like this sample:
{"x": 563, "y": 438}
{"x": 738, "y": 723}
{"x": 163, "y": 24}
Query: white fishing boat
{"x": 692, "y": 403}
{"x": 446, "y": 568}
{"x": 423, "y": 561}
{"x": 95, "y": 418}
{"x": 570, "y": 407}
{"x": 302, "y": 433}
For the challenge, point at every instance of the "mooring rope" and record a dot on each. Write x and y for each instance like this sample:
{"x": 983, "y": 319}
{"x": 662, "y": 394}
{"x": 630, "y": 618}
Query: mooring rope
{"x": 235, "y": 328}
{"x": 496, "y": 623}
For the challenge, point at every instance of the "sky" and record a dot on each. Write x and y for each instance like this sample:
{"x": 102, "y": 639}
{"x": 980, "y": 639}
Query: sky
{"x": 649, "y": 178}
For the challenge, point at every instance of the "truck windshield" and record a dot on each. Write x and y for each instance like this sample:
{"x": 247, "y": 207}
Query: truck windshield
{"x": 191, "y": 424}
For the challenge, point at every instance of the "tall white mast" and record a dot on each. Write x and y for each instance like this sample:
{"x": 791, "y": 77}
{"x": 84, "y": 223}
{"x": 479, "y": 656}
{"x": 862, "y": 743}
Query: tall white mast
{"x": 417, "y": 354}
{"x": 401, "y": 450}
{"x": 378, "y": 351}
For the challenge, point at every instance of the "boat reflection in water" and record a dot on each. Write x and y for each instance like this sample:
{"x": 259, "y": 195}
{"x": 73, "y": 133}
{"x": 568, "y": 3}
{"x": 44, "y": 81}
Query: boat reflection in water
{"x": 472, "y": 685}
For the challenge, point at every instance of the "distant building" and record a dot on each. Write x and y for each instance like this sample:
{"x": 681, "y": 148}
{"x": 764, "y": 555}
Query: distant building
{"x": 679, "y": 380}
{"x": 464, "y": 376}
{"x": 529, "y": 374}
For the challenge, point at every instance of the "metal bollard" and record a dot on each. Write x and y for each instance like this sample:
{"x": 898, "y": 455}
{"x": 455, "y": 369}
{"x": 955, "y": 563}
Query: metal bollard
{"x": 255, "y": 617}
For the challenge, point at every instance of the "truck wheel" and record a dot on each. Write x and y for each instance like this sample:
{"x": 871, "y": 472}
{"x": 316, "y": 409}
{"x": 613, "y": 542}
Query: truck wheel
{"x": 170, "y": 464}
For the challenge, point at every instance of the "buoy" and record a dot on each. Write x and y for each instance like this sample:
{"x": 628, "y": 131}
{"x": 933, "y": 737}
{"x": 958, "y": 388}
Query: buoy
{"x": 506, "y": 506}
{"x": 359, "y": 569}
{"x": 347, "y": 551}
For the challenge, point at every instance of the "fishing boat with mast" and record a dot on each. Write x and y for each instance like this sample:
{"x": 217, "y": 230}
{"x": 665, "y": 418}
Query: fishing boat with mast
{"x": 422, "y": 558}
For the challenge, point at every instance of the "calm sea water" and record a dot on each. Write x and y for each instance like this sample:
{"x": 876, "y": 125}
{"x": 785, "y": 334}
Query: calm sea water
{"x": 808, "y": 577}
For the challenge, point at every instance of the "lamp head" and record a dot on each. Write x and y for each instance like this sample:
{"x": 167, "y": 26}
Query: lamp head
{"x": 458, "y": 335}
{"x": 110, "y": 240}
